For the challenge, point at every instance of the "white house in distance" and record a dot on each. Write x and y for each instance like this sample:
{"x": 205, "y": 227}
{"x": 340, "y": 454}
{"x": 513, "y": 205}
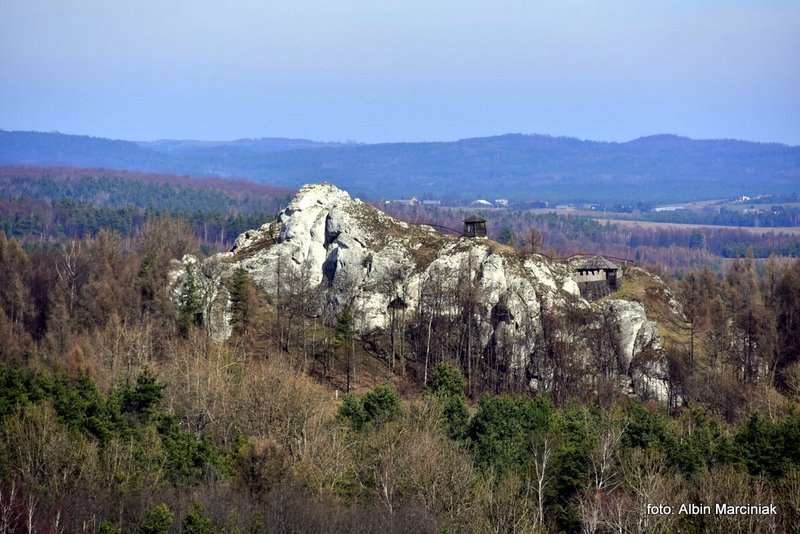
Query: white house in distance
{"x": 669, "y": 208}
{"x": 405, "y": 202}
{"x": 481, "y": 203}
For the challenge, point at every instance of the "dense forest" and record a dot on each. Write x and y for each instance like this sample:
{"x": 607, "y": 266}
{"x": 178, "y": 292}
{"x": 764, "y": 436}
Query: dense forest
{"x": 41, "y": 222}
{"x": 119, "y": 188}
{"x": 118, "y": 413}
{"x": 45, "y": 205}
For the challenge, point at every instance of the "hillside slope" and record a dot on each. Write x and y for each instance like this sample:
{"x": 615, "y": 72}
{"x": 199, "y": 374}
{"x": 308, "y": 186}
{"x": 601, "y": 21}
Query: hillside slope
{"x": 128, "y": 188}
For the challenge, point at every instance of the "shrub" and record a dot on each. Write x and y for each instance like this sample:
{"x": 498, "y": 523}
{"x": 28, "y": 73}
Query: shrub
{"x": 108, "y": 528}
{"x": 456, "y": 417}
{"x": 157, "y": 520}
{"x": 144, "y": 396}
{"x": 374, "y": 408}
{"x": 447, "y": 380}
{"x": 769, "y": 447}
{"x": 501, "y": 430}
{"x": 644, "y": 428}
{"x": 352, "y": 410}
{"x": 188, "y": 455}
{"x": 381, "y": 404}
{"x": 196, "y": 522}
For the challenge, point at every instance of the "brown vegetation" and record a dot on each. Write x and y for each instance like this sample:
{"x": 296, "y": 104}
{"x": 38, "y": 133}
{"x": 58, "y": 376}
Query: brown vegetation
{"x": 251, "y": 432}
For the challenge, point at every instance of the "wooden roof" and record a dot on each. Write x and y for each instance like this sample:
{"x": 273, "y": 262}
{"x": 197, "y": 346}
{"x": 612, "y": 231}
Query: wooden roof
{"x": 593, "y": 263}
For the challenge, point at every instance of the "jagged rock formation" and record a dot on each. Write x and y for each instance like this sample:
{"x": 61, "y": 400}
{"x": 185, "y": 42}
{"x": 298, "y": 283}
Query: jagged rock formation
{"x": 350, "y": 253}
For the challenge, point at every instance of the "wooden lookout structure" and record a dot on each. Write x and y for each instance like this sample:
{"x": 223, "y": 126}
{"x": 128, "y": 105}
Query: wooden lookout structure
{"x": 596, "y": 276}
{"x": 474, "y": 226}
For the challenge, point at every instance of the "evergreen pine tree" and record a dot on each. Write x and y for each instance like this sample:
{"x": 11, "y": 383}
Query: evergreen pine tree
{"x": 343, "y": 334}
{"x": 196, "y": 522}
{"x": 157, "y": 520}
{"x": 190, "y": 302}
{"x": 243, "y": 302}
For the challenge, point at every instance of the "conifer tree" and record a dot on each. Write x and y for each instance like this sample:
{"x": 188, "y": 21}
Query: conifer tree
{"x": 243, "y": 302}
{"x": 344, "y": 333}
{"x": 157, "y": 520}
{"x": 695, "y": 294}
{"x": 190, "y": 302}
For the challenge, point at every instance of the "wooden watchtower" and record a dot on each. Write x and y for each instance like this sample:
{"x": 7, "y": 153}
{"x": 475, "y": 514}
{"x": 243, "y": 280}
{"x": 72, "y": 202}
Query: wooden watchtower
{"x": 474, "y": 226}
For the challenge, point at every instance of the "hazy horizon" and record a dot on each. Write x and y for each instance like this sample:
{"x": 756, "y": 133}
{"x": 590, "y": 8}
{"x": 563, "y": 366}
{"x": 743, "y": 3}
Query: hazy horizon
{"x": 407, "y": 72}
{"x": 359, "y": 142}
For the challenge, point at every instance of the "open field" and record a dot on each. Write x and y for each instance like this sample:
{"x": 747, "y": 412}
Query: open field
{"x": 791, "y": 230}
{"x": 581, "y": 212}
{"x": 742, "y": 206}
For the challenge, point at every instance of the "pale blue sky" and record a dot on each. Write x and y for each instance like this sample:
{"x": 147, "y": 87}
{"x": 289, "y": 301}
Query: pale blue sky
{"x": 401, "y": 70}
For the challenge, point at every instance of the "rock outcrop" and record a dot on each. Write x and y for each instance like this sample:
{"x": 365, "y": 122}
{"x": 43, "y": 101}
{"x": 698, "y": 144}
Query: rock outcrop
{"x": 352, "y": 254}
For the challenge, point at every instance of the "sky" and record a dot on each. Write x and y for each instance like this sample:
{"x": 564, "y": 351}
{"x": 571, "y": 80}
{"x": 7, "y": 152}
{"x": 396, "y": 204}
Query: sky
{"x": 407, "y": 70}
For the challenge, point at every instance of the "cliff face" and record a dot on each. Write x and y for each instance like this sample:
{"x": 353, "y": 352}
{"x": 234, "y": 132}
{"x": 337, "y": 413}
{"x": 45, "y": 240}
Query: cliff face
{"x": 350, "y": 253}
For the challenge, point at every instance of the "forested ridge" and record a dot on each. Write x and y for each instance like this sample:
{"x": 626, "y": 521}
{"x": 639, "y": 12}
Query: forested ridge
{"x": 662, "y": 168}
{"x": 45, "y": 205}
{"x": 41, "y": 222}
{"x": 118, "y": 413}
{"x": 113, "y": 187}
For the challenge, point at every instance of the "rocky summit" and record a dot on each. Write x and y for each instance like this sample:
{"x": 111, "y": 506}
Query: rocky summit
{"x": 350, "y": 254}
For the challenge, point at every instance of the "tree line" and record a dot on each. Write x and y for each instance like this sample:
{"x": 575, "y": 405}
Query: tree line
{"x": 49, "y": 222}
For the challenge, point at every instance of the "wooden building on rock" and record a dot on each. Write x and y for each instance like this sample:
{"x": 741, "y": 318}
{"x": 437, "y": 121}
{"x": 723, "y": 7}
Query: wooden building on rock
{"x": 596, "y": 276}
{"x": 474, "y": 226}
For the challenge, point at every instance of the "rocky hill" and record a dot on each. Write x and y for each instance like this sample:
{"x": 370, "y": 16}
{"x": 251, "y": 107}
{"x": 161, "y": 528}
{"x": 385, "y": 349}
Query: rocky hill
{"x": 412, "y": 283}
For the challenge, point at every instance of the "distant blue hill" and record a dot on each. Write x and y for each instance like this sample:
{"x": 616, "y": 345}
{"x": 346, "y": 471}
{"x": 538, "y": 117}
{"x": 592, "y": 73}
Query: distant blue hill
{"x": 664, "y": 168}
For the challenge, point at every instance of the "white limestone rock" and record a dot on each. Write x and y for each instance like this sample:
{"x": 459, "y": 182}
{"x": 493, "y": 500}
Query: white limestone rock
{"x": 640, "y": 344}
{"x": 351, "y": 252}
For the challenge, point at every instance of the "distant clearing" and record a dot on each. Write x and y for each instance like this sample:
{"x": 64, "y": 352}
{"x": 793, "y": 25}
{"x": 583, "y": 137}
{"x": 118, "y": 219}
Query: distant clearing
{"x": 792, "y": 230}
{"x": 581, "y": 212}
